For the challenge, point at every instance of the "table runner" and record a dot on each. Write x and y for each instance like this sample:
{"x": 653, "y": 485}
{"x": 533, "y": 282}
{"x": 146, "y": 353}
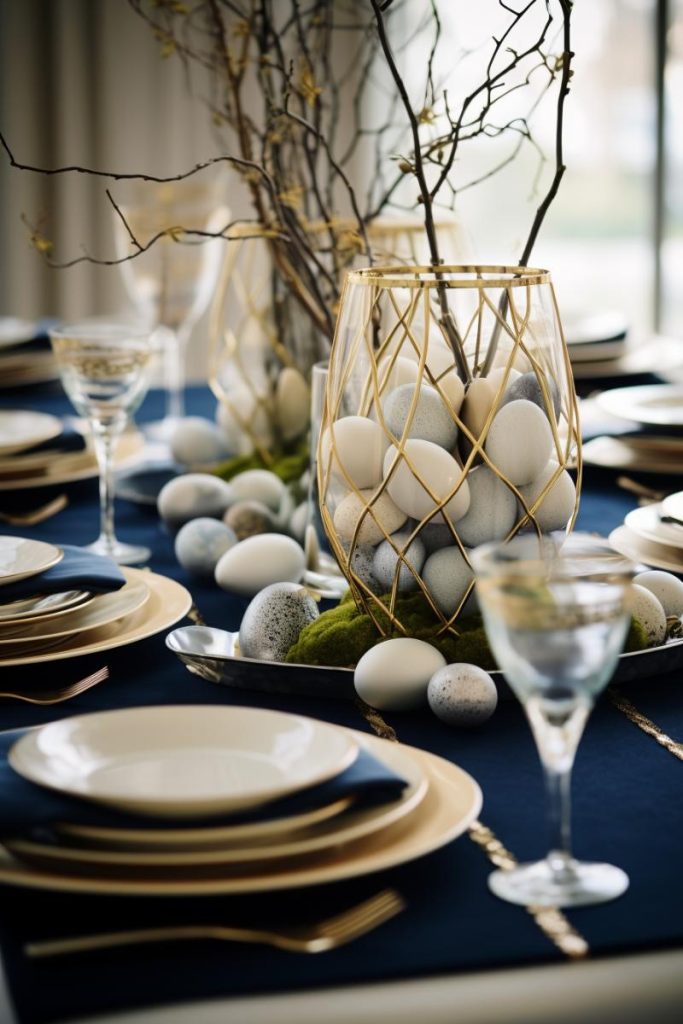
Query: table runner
{"x": 626, "y": 808}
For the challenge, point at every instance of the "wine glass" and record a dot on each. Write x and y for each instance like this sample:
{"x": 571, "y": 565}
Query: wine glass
{"x": 171, "y": 283}
{"x": 556, "y": 615}
{"x": 104, "y": 368}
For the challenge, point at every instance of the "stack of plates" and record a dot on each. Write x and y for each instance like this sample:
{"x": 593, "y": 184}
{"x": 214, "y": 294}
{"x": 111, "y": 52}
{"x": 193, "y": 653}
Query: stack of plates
{"x": 656, "y": 442}
{"x": 593, "y": 341}
{"x": 49, "y": 627}
{"x": 301, "y": 819}
{"x": 23, "y": 359}
{"x": 653, "y": 534}
{"x": 20, "y": 467}
{"x": 593, "y": 357}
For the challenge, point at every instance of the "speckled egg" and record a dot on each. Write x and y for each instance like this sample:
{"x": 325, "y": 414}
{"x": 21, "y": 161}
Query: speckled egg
{"x": 197, "y": 441}
{"x": 385, "y": 518}
{"x": 520, "y": 441}
{"x": 274, "y": 619}
{"x": 359, "y": 445}
{"x": 249, "y": 518}
{"x": 557, "y": 507}
{"x": 439, "y": 471}
{"x": 648, "y": 610}
{"x": 666, "y": 587}
{"x": 492, "y": 512}
{"x": 386, "y": 560}
{"x": 431, "y": 420}
{"x": 462, "y": 695}
{"x": 259, "y": 485}
{"x": 241, "y": 408}
{"x": 447, "y": 575}
{"x": 292, "y": 403}
{"x": 527, "y": 387}
{"x": 362, "y": 566}
{"x": 256, "y": 562}
{"x": 200, "y": 543}
{"x": 193, "y": 495}
{"x": 435, "y": 535}
{"x": 393, "y": 675}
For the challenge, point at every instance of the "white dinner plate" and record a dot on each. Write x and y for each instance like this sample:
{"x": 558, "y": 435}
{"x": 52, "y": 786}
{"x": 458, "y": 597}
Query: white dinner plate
{"x": 23, "y": 428}
{"x": 659, "y": 556}
{"x": 43, "y": 606}
{"x": 345, "y": 828}
{"x": 646, "y": 523}
{"x": 14, "y": 331}
{"x": 101, "y": 611}
{"x": 673, "y": 506}
{"x": 656, "y": 405}
{"x": 617, "y": 453}
{"x": 21, "y": 557}
{"x": 452, "y": 802}
{"x": 183, "y": 760}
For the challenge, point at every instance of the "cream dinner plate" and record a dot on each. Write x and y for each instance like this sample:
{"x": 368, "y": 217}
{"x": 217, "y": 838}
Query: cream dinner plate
{"x": 657, "y": 405}
{"x": 72, "y": 466}
{"x": 21, "y": 557}
{"x": 22, "y": 428}
{"x": 344, "y": 829}
{"x": 43, "y": 606}
{"x": 452, "y": 802}
{"x": 187, "y": 760}
{"x": 614, "y": 453}
{"x": 168, "y": 603}
{"x": 14, "y": 331}
{"x": 101, "y": 611}
{"x": 673, "y": 506}
{"x": 660, "y": 556}
{"x": 646, "y": 523}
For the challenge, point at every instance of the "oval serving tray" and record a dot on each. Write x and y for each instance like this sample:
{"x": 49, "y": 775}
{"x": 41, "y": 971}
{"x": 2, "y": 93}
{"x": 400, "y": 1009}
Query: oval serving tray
{"x": 222, "y": 664}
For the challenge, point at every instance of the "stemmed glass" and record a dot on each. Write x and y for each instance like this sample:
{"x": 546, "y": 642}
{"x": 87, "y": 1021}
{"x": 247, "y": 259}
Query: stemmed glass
{"x": 105, "y": 372}
{"x": 171, "y": 283}
{"x": 555, "y": 612}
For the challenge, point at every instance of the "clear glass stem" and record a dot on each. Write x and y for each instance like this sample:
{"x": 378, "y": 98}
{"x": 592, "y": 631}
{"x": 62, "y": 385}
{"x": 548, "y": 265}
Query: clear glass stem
{"x": 558, "y": 789}
{"x": 175, "y": 346}
{"x": 105, "y": 441}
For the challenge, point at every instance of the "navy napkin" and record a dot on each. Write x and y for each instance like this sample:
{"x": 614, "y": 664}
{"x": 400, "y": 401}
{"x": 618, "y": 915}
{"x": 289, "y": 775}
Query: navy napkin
{"x": 78, "y": 570}
{"x": 27, "y": 808}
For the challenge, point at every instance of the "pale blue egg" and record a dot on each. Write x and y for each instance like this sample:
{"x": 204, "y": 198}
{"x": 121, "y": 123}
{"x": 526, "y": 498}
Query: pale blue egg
{"x": 386, "y": 559}
{"x": 200, "y": 544}
{"x": 431, "y": 420}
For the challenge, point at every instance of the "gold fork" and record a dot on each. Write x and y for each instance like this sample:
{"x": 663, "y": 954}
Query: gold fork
{"x": 36, "y": 515}
{"x": 314, "y": 938}
{"x": 59, "y": 694}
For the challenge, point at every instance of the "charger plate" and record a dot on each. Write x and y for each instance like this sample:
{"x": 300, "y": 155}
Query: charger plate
{"x": 74, "y": 466}
{"x": 341, "y": 829}
{"x": 453, "y": 801}
{"x": 43, "y": 606}
{"x": 168, "y": 603}
{"x": 646, "y": 523}
{"x": 21, "y": 557}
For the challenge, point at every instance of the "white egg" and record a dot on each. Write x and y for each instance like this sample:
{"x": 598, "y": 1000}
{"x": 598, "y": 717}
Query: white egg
{"x": 197, "y": 441}
{"x": 257, "y": 562}
{"x": 520, "y": 441}
{"x": 666, "y": 587}
{"x": 430, "y": 419}
{"x": 386, "y": 560}
{"x": 380, "y": 519}
{"x": 359, "y": 445}
{"x": 447, "y": 576}
{"x": 193, "y": 495}
{"x": 243, "y": 419}
{"x": 274, "y": 619}
{"x": 200, "y": 544}
{"x": 437, "y": 469}
{"x": 492, "y": 512}
{"x": 648, "y": 610}
{"x": 259, "y": 485}
{"x": 299, "y": 520}
{"x": 292, "y": 403}
{"x": 557, "y": 506}
{"x": 393, "y": 675}
{"x": 462, "y": 695}
{"x": 392, "y": 373}
{"x": 477, "y": 405}
{"x": 503, "y": 373}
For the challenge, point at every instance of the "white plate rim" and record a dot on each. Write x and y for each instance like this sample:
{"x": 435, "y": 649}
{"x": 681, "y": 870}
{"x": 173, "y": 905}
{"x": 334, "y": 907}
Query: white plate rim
{"x": 79, "y": 600}
{"x": 645, "y": 529}
{"x": 624, "y": 403}
{"x": 51, "y": 555}
{"x": 50, "y": 427}
{"x": 129, "y": 445}
{"x": 622, "y": 540}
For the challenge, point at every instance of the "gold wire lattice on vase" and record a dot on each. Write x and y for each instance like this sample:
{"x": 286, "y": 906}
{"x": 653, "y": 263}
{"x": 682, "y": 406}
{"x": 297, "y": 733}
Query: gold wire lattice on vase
{"x": 460, "y": 336}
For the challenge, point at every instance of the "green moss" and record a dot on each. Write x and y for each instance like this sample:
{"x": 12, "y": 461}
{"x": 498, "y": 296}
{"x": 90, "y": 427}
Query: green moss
{"x": 636, "y": 638}
{"x": 289, "y": 464}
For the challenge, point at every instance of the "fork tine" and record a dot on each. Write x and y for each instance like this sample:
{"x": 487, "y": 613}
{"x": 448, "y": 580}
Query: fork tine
{"x": 58, "y": 695}
{"x": 383, "y": 904}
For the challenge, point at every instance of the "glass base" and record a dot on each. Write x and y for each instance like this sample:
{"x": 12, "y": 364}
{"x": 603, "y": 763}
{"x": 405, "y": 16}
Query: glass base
{"x": 123, "y": 554}
{"x": 578, "y": 885}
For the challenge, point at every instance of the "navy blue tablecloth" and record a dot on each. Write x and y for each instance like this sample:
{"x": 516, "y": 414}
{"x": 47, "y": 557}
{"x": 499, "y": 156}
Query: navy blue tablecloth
{"x": 627, "y": 809}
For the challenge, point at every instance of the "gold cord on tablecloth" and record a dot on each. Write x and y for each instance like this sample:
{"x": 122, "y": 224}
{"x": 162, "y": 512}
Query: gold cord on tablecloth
{"x": 646, "y": 724}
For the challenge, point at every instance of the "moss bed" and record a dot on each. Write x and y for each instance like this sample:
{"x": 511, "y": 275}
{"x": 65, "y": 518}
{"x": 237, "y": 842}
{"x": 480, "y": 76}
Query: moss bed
{"x": 341, "y": 636}
{"x": 289, "y": 464}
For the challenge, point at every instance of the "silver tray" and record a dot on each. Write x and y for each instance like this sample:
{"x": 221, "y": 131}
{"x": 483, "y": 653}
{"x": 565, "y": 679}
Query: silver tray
{"x": 211, "y": 654}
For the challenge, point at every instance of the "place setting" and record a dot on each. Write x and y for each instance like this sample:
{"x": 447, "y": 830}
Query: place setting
{"x": 653, "y": 534}
{"x": 25, "y": 355}
{"x": 647, "y": 424}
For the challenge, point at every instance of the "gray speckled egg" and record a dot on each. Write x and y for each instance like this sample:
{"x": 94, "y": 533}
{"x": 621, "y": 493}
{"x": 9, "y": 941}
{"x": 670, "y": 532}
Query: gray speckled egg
{"x": 647, "y": 609}
{"x": 200, "y": 543}
{"x": 462, "y": 695}
{"x": 274, "y": 619}
{"x": 666, "y": 587}
{"x": 492, "y": 512}
{"x": 385, "y": 518}
{"x": 519, "y": 441}
{"x": 259, "y": 485}
{"x": 197, "y": 441}
{"x": 556, "y": 509}
{"x": 528, "y": 388}
{"x": 361, "y": 563}
{"x": 434, "y": 535}
{"x": 192, "y": 496}
{"x": 249, "y": 518}
{"x": 447, "y": 575}
{"x": 386, "y": 559}
{"x": 431, "y": 420}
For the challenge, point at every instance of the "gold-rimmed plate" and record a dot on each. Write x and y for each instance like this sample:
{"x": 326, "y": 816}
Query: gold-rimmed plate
{"x": 21, "y": 557}
{"x": 72, "y": 467}
{"x": 168, "y": 602}
{"x": 24, "y": 428}
{"x": 43, "y": 606}
{"x": 452, "y": 802}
